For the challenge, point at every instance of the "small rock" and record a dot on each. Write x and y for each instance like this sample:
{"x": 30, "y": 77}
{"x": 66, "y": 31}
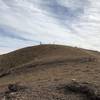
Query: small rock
{"x": 13, "y": 87}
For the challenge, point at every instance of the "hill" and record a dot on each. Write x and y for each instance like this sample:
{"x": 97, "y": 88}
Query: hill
{"x": 28, "y": 54}
{"x": 45, "y": 68}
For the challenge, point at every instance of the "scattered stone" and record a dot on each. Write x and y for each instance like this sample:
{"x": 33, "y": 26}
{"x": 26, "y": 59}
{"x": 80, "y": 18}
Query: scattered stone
{"x": 90, "y": 90}
{"x": 13, "y": 87}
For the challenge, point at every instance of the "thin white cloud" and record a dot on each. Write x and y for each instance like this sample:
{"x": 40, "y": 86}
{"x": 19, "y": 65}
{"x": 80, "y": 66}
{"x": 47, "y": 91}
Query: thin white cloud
{"x": 70, "y": 22}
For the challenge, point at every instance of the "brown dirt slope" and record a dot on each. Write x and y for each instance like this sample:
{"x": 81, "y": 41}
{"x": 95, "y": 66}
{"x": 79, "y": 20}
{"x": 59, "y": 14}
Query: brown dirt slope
{"x": 43, "y": 69}
{"x": 26, "y": 55}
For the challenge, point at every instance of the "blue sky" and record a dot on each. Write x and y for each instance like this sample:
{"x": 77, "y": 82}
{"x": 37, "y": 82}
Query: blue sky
{"x": 69, "y": 22}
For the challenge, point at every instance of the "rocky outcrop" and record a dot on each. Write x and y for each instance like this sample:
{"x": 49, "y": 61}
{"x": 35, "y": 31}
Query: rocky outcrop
{"x": 90, "y": 90}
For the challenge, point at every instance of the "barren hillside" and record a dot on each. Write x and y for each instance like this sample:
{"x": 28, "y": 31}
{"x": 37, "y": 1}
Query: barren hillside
{"x": 43, "y": 72}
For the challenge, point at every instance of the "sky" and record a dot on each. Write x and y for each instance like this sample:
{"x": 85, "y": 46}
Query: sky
{"x": 68, "y": 22}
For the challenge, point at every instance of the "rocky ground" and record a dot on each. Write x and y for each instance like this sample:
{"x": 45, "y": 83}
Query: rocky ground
{"x": 51, "y": 73}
